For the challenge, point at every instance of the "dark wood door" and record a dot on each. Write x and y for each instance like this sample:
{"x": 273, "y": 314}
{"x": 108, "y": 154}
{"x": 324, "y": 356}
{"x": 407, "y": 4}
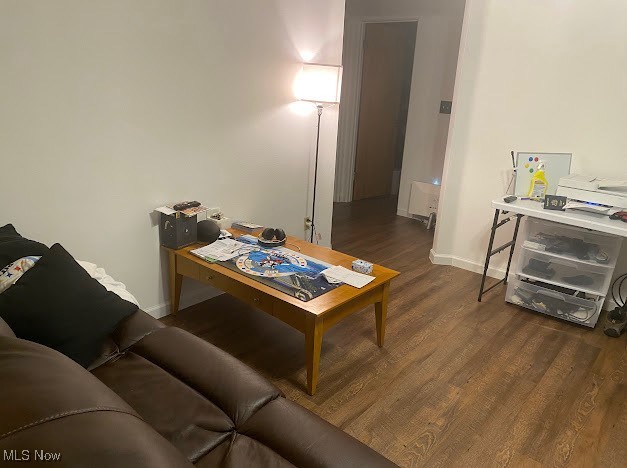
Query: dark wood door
{"x": 388, "y": 60}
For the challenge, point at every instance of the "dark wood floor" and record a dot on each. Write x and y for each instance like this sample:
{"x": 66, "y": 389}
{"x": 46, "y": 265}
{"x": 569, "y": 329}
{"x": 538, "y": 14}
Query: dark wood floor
{"x": 458, "y": 383}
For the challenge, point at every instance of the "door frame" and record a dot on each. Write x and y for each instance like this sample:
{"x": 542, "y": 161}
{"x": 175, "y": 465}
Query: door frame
{"x": 348, "y": 126}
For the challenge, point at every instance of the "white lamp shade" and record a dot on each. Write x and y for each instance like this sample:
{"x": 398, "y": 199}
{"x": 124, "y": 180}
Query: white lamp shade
{"x": 319, "y": 83}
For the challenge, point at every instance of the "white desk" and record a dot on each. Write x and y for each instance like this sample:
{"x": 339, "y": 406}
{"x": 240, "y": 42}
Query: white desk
{"x": 519, "y": 208}
{"x": 582, "y": 219}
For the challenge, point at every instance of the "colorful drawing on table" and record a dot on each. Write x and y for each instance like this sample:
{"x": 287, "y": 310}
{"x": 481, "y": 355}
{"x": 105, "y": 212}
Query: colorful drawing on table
{"x": 283, "y": 269}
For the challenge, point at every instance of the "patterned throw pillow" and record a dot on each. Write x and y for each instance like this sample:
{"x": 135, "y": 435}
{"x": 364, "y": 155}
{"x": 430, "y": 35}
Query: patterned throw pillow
{"x": 13, "y": 271}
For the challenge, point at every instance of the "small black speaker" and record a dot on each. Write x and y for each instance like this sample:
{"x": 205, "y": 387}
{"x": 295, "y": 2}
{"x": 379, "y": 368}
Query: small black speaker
{"x": 208, "y": 231}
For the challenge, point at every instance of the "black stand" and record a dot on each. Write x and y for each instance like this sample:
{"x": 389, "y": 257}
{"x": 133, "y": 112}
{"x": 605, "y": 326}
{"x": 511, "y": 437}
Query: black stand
{"x": 313, "y": 208}
{"x": 495, "y": 225}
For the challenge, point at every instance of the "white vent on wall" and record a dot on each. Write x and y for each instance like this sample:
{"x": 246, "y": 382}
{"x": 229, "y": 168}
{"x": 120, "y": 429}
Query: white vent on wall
{"x": 423, "y": 199}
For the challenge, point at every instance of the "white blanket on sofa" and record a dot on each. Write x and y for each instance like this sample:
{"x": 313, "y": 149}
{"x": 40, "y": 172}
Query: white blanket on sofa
{"x": 107, "y": 281}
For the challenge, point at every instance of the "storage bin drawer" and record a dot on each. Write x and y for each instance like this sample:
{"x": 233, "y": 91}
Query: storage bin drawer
{"x": 571, "y": 242}
{"x": 592, "y": 279}
{"x": 556, "y": 304}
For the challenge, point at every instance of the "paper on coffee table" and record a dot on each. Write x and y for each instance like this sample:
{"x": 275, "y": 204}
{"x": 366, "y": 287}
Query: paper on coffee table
{"x": 221, "y": 250}
{"x": 355, "y": 279}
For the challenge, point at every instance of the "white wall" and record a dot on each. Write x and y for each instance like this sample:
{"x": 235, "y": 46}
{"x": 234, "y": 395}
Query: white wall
{"x": 435, "y": 59}
{"x": 110, "y": 109}
{"x": 435, "y": 63}
{"x": 540, "y": 76}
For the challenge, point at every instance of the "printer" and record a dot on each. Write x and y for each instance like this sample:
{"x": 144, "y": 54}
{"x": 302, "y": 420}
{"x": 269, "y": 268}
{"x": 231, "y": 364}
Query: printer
{"x": 594, "y": 190}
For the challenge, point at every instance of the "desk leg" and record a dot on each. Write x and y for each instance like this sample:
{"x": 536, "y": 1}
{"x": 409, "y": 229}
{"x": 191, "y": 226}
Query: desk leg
{"x": 176, "y": 281}
{"x": 489, "y": 252}
{"x": 313, "y": 345}
{"x": 381, "y": 312}
{"x": 509, "y": 245}
{"x": 511, "y": 250}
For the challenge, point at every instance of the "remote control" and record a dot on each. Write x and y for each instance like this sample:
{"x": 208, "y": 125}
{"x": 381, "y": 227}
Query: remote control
{"x": 185, "y": 205}
{"x": 510, "y": 199}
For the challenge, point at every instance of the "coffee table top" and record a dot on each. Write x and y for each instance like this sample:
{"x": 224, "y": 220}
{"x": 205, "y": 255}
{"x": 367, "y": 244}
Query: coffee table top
{"x": 318, "y": 305}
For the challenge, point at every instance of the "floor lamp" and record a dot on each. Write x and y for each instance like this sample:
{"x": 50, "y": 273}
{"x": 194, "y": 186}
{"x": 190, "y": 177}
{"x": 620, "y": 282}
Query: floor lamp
{"x": 319, "y": 84}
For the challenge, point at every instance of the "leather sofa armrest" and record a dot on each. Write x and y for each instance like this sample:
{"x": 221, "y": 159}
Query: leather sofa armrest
{"x": 39, "y": 382}
{"x": 134, "y": 328}
{"x": 230, "y": 384}
{"x": 128, "y": 332}
{"x": 306, "y": 440}
{"x": 101, "y": 439}
{"x": 5, "y": 329}
{"x": 49, "y": 403}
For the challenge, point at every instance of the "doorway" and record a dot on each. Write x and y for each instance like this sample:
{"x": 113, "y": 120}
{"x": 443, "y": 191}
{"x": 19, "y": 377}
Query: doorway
{"x": 387, "y": 66}
{"x": 400, "y": 64}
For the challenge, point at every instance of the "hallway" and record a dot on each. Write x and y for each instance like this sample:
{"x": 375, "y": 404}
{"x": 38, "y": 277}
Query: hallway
{"x": 370, "y": 229}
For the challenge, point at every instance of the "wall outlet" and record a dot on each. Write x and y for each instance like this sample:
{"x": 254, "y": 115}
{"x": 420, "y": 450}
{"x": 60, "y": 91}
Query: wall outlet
{"x": 446, "y": 107}
{"x": 307, "y": 222}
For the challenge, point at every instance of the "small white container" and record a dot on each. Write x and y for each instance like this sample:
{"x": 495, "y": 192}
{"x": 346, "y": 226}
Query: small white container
{"x": 362, "y": 266}
{"x": 224, "y": 223}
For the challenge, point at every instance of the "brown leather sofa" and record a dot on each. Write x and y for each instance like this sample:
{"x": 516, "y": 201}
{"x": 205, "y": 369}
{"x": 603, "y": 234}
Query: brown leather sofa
{"x": 156, "y": 397}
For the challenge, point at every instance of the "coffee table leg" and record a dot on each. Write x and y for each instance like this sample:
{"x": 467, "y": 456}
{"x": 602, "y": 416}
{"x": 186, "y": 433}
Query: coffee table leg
{"x": 381, "y": 312}
{"x": 176, "y": 282}
{"x": 313, "y": 345}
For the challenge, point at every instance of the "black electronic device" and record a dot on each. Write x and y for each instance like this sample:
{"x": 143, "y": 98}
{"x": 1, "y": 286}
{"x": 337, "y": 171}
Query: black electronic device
{"x": 177, "y": 230}
{"x": 555, "y": 202}
{"x": 615, "y": 322}
{"x": 511, "y": 198}
{"x": 208, "y": 231}
{"x": 272, "y": 237}
{"x": 186, "y": 205}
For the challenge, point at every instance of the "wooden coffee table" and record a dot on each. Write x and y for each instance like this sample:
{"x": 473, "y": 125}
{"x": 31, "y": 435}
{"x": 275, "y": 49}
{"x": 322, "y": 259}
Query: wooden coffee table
{"x": 313, "y": 318}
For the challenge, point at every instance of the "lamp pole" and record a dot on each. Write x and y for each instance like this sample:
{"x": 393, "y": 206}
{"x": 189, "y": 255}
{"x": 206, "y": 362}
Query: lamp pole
{"x": 319, "y": 84}
{"x": 313, "y": 208}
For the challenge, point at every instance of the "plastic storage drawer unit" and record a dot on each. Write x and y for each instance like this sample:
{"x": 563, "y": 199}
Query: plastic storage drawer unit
{"x": 571, "y": 242}
{"x": 554, "y": 303}
{"x": 585, "y": 277}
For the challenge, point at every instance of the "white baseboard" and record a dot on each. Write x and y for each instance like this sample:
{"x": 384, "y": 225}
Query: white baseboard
{"x": 406, "y": 214}
{"x": 435, "y": 259}
{"x": 464, "y": 263}
{"x": 188, "y": 300}
{"x": 403, "y": 213}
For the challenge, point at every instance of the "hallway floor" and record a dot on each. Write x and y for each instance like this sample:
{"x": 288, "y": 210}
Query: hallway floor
{"x": 458, "y": 383}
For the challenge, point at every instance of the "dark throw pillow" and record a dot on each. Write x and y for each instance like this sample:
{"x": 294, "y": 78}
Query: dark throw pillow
{"x": 59, "y": 305}
{"x": 13, "y": 246}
